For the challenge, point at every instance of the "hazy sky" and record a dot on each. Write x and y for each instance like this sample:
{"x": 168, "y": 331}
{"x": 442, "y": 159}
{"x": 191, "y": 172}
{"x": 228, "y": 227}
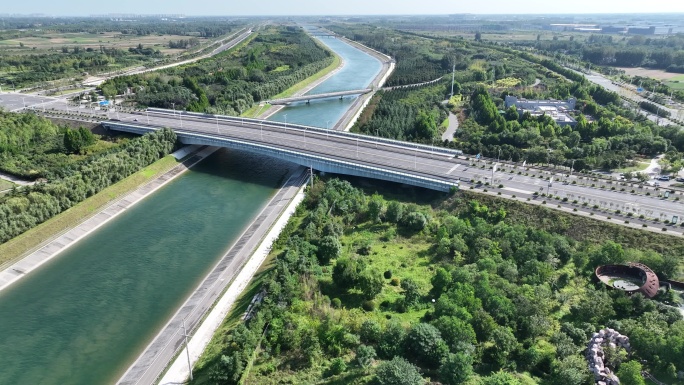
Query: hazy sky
{"x": 336, "y": 7}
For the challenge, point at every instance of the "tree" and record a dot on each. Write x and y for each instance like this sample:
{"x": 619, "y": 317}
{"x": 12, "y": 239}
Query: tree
{"x": 392, "y": 340}
{"x": 478, "y": 36}
{"x": 456, "y": 369}
{"x": 365, "y": 355}
{"x": 415, "y": 221}
{"x": 370, "y": 332}
{"x": 426, "y": 126}
{"x": 411, "y": 293}
{"x": 77, "y": 140}
{"x": 570, "y": 370}
{"x": 424, "y": 345}
{"x": 503, "y": 344}
{"x": 512, "y": 113}
{"x": 630, "y": 373}
{"x": 329, "y": 248}
{"x": 457, "y": 334}
{"x": 441, "y": 280}
{"x": 398, "y": 371}
{"x": 375, "y": 208}
{"x": 229, "y": 369}
{"x": 346, "y": 273}
{"x": 395, "y": 211}
{"x": 370, "y": 283}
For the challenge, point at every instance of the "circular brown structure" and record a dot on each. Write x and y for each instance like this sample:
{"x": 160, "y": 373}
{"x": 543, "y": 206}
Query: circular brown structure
{"x": 631, "y": 278}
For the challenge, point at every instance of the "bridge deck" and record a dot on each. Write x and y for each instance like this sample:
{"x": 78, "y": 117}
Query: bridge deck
{"x": 319, "y": 96}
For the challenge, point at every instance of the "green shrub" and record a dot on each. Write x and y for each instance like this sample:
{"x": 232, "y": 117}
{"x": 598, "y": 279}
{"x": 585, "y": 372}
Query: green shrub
{"x": 387, "y": 274}
{"x": 336, "y": 303}
{"x": 337, "y": 366}
{"x": 368, "y": 305}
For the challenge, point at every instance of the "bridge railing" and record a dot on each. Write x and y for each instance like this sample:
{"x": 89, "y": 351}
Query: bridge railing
{"x": 340, "y": 134}
{"x": 302, "y": 158}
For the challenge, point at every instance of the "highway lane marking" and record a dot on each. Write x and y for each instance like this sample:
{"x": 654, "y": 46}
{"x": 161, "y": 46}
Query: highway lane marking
{"x": 453, "y": 169}
{"x": 349, "y": 148}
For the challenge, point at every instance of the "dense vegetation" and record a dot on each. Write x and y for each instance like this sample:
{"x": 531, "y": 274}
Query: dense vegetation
{"x": 16, "y": 27}
{"x": 23, "y": 66}
{"x": 415, "y": 63}
{"x": 607, "y": 142}
{"x": 26, "y": 69}
{"x": 485, "y": 74}
{"x": 412, "y": 114}
{"x": 276, "y": 59}
{"x": 26, "y": 207}
{"x": 34, "y": 147}
{"x": 370, "y": 289}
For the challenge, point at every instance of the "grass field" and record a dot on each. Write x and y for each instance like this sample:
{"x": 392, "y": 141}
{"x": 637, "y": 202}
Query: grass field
{"x": 676, "y": 82}
{"x": 5, "y": 185}
{"x": 406, "y": 257}
{"x": 639, "y": 166}
{"x": 15, "y": 248}
{"x": 56, "y": 41}
{"x": 652, "y": 73}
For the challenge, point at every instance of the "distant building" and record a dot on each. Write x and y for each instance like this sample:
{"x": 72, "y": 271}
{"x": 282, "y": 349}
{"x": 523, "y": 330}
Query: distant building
{"x": 559, "y": 110}
{"x": 652, "y": 30}
{"x": 613, "y": 29}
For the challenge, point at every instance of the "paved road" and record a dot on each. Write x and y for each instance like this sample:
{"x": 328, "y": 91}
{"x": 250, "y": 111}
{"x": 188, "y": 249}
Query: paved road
{"x": 149, "y": 366}
{"x": 451, "y": 130}
{"x": 409, "y": 158}
{"x": 608, "y": 84}
{"x": 419, "y": 160}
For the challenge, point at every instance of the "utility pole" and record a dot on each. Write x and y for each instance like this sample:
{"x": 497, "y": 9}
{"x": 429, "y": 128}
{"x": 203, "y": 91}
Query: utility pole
{"x": 187, "y": 349}
{"x": 311, "y": 175}
{"x": 453, "y": 78}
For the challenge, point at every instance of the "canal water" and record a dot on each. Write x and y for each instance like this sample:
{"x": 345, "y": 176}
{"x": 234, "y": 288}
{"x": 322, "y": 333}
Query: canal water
{"x": 85, "y": 316}
{"x": 359, "y": 70}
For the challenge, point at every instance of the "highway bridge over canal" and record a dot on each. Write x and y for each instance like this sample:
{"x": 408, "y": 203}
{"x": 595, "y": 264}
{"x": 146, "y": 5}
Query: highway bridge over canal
{"x": 326, "y": 95}
{"x": 323, "y": 150}
{"x": 338, "y": 152}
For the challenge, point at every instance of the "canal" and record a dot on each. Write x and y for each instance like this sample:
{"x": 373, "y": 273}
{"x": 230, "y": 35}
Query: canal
{"x": 85, "y": 316}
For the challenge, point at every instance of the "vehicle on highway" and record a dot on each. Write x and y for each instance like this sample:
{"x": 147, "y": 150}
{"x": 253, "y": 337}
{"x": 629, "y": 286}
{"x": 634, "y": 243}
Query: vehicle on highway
{"x": 679, "y": 179}
{"x": 664, "y": 178}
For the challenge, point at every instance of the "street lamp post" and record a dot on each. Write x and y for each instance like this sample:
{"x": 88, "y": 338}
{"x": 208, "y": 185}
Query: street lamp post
{"x": 173, "y": 105}
{"x": 180, "y": 117}
{"x": 261, "y": 126}
{"x": 286, "y": 121}
{"x": 147, "y": 112}
{"x": 187, "y": 349}
{"x": 217, "y": 126}
{"x": 23, "y": 99}
{"x": 572, "y": 168}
